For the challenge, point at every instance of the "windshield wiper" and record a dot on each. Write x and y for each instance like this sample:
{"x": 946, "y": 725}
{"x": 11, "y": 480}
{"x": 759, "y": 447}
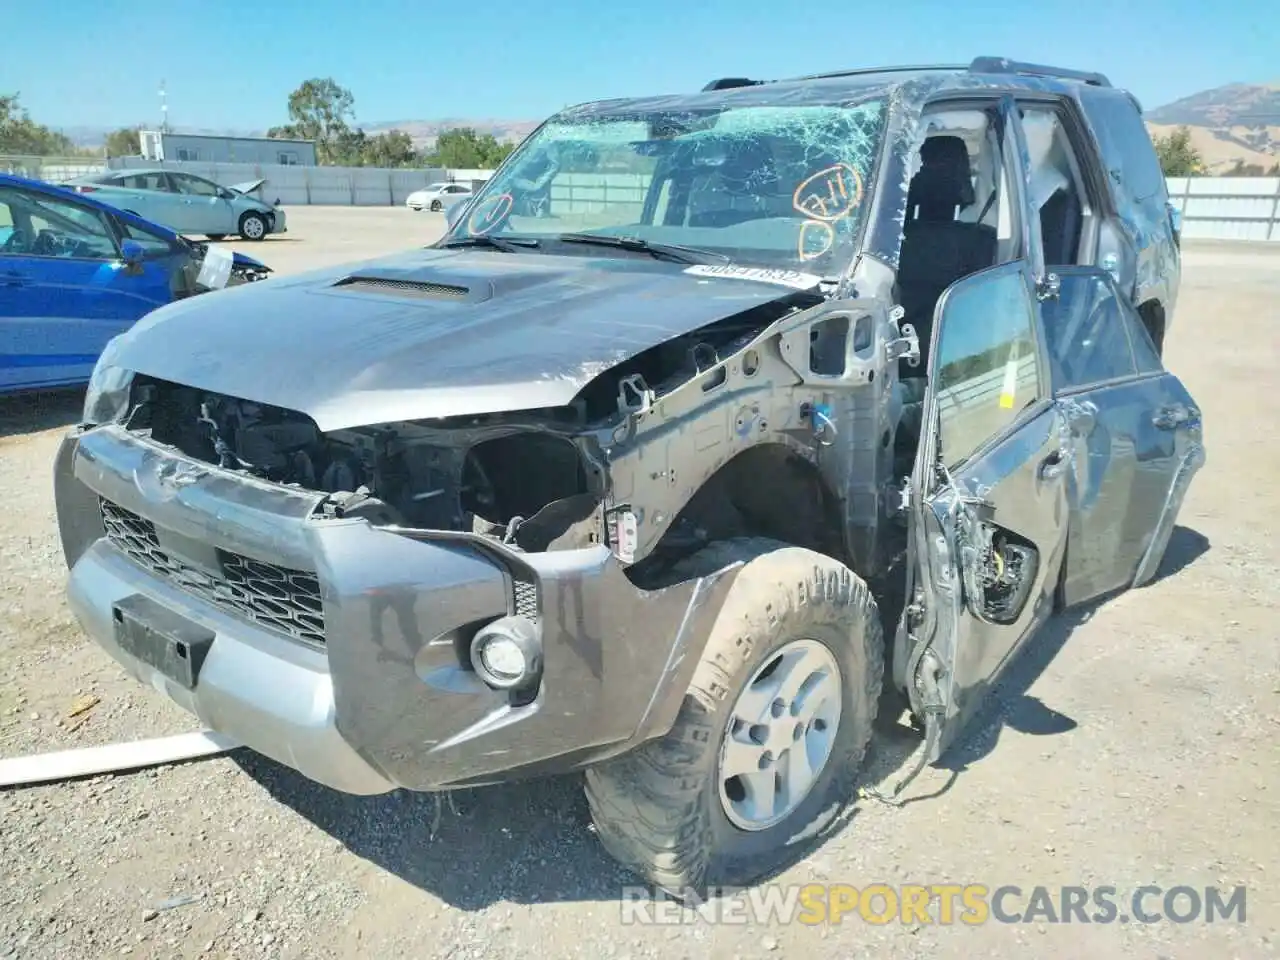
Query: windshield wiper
{"x": 505, "y": 244}
{"x": 676, "y": 253}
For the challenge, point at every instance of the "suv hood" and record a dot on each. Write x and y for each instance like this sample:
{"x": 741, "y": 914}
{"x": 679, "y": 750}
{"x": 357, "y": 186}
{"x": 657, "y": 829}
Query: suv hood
{"x": 436, "y": 333}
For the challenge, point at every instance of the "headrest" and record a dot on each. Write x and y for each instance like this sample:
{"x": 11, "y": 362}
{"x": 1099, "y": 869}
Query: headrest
{"x": 943, "y": 181}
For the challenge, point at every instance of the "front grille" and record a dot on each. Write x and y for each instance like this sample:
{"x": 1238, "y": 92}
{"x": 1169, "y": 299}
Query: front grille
{"x": 406, "y": 288}
{"x": 526, "y": 597}
{"x": 278, "y": 598}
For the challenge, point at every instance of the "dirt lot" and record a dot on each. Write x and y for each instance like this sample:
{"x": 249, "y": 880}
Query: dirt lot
{"x": 1131, "y": 745}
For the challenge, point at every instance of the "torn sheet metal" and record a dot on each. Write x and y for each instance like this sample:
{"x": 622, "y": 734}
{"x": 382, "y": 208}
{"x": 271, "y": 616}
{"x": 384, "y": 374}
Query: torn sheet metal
{"x": 114, "y": 758}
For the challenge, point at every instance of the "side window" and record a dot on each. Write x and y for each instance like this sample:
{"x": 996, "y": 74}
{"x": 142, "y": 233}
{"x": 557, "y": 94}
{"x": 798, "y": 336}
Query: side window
{"x": 1126, "y": 145}
{"x": 145, "y": 181}
{"x": 986, "y": 368}
{"x": 194, "y": 185}
{"x": 1086, "y": 332}
{"x": 59, "y": 229}
{"x": 6, "y": 225}
{"x": 155, "y": 246}
{"x": 1145, "y": 355}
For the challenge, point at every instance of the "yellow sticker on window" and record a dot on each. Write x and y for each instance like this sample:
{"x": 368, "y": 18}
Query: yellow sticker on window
{"x": 1010, "y": 388}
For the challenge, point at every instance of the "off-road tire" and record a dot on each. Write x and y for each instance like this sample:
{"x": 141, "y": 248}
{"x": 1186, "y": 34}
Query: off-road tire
{"x": 245, "y": 218}
{"x": 657, "y": 809}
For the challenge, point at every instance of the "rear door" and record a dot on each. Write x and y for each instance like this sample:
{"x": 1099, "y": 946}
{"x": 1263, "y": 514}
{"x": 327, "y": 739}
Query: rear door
{"x": 66, "y": 290}
{"x": 989, "y": 506}
{"x": 1133, "y": 431}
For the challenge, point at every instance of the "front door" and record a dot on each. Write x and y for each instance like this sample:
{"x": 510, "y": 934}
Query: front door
{"x": 990, "y": 501}
{"x": 201, "y": 206}
{"x": 64, "y": 290}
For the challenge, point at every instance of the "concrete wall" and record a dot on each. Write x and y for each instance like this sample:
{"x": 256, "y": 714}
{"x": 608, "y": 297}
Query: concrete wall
{"x": 302, "y": 186}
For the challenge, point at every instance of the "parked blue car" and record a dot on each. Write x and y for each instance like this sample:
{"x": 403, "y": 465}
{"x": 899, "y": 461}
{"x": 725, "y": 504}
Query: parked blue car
{"x": 75, "y": 272}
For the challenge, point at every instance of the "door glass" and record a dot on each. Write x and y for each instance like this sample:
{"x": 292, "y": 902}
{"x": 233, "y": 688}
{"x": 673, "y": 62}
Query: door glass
{"x": 985, "y": 368}
{"x": 60, "y": 229}
{"x": 6, "y": 227}
{"x": 194, "y": 185}
{"x": 145, "y": 181}
{"x": 1085, "y": 330}
{"x": 1145, "y": 356}
{"x": 155, "y": 246}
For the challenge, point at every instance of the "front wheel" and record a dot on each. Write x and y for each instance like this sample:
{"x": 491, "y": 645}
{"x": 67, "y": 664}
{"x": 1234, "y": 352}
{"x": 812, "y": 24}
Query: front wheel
{"x": 252, "y": 226}
{"x": 766, "y": 749}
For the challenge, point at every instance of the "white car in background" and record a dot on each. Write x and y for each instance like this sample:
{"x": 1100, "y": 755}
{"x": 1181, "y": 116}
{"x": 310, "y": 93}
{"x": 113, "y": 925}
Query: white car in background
{"x": 437, "y": 196}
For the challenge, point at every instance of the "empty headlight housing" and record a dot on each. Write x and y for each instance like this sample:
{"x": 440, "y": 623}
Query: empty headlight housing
{"x": 107, "y": 397}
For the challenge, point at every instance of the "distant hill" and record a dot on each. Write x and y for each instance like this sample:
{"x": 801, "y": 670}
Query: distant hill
{"x": 1236, "y": 122}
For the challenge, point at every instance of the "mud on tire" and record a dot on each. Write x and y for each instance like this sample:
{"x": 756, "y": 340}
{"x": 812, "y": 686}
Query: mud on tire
{"x": 658, "y": 809}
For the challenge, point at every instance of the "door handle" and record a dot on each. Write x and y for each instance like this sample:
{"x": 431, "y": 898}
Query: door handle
{"x": 1053, "y": 465}
{"x": 1173, "y": 417}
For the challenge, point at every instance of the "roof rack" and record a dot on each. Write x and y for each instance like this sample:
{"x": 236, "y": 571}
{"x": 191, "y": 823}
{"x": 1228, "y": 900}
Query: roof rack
{"x": 992, "y": 65}
{"x": 729, "y": 83}
{"x": 918, "y": 68}
{"x": 1004, "y": 65}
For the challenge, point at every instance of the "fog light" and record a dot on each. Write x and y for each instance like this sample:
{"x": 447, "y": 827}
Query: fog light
{"x": 507, "y": 654}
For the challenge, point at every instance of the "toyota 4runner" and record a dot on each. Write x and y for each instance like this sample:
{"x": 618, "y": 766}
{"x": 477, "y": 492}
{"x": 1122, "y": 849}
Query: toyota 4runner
{"x": 622, "y": 475}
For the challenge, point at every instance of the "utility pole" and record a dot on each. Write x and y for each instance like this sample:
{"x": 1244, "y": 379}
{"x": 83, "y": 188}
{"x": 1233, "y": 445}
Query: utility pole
{"x": 164, "y": 109}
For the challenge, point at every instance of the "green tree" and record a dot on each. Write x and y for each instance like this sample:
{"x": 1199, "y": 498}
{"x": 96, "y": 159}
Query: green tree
{"x": 320, "y": 110}
{"x": 464, "y": 148}
{"x": 391, "y": 149}
{"x": 123, "y": 142}
{"x": 1178, "y": 158}
{"x": 21, "y": 135}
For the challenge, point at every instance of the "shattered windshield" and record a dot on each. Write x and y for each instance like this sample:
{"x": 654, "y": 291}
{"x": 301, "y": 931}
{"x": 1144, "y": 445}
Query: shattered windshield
{"x": 776, "y": 186}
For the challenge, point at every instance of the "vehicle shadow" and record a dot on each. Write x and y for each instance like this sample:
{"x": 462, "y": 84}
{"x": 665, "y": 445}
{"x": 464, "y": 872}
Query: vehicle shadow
{"x": 1008, "y": 704}
{"x": 524, "y": 843}
{"x": 531, "y": 842}
{"x": 43, "y": 410}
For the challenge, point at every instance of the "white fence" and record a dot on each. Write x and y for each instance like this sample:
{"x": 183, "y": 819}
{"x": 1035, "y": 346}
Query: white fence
{"x": 302, "y": 186}
{"x": 1213, "y": 208}
{"x": 1228, "y": 208}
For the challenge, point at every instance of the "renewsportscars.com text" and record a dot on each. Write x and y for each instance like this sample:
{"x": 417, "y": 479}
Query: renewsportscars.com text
{"x": 938, "y": 903}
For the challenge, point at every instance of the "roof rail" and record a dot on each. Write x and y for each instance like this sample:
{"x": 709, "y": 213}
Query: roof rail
{"x": 728, "y": 83}
{"x": 1004, "y": 65}
{"x": 918, "y": 68}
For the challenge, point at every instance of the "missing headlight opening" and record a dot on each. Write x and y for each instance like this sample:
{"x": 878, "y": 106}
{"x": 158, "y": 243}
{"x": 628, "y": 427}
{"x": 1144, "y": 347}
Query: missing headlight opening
{"x": 521, "y": 482}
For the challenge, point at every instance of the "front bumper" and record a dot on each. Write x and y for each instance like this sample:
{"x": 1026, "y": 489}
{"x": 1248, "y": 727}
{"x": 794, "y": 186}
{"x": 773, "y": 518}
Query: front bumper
{"x": 371, "y": 693}
{"x": 279, "y": 223}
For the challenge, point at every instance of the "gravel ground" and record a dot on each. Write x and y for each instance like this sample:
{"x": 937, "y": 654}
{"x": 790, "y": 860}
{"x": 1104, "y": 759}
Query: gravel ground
{"x": 1132, "y": 744}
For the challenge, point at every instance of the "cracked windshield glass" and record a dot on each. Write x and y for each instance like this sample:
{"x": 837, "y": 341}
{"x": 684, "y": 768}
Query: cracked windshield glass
{"x": 770, "y": 186}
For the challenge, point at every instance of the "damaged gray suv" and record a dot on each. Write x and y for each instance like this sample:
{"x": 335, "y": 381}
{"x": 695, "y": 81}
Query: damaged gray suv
{"x": 709, "y": 416}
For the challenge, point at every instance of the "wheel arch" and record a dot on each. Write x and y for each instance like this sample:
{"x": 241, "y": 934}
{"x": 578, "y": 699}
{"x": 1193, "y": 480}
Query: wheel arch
{"x": 767, "y": 491}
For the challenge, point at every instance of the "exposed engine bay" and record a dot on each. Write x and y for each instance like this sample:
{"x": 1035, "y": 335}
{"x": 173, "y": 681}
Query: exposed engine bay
{"x": 484, "y": 478}
{"x": 536, "y": 479}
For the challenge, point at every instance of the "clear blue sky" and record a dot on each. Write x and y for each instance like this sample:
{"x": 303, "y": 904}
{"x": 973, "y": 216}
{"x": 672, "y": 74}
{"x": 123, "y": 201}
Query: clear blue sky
{"x": 232, "y": 63}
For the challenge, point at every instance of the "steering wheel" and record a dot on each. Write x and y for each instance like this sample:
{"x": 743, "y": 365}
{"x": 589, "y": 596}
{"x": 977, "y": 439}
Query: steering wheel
{"x": 48, "y": 244}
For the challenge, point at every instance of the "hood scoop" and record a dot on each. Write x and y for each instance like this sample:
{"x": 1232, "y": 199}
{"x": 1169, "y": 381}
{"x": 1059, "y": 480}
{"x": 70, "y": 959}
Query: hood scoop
{"x": 397, "y": 286}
